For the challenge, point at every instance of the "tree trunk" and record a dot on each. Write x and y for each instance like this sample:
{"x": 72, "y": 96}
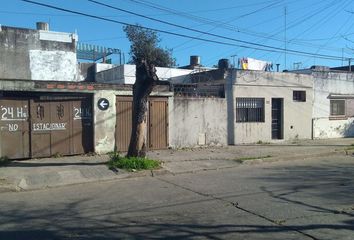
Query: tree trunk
{"x": 146, "y": 78}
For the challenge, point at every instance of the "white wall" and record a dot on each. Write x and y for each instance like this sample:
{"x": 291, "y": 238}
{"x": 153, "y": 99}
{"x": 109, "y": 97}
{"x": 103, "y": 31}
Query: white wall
{"x": 326, "y": 83}
{"x": 125, "y": 74}
{"x": 53, "y": 65}
{"x": 197, "y": 121}
{"x": 104, "y": 122}
{"x": 325, "y": 128}
{"x": 297, "y": 116}
{"x": 103, "y": 66}
{"x": 175, "y": 75}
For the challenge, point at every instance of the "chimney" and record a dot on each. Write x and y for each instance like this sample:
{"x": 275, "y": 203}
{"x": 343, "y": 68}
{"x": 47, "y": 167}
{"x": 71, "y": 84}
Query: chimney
{"x": 223, "y": 64}
{"x": 194, "y": 60}
{"x": 42, "y": 26}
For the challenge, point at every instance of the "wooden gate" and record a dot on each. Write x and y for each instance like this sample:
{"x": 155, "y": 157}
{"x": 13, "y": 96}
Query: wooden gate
{"x": 14, "y": 128}
{"x": 157, "y": 130}
{"x": 33, "y": 127}
{"x": 158, "y": 123}
{"x": 82, "y": 128}
{"x": 61, "y": 127}
{"x": 123, "y": 122}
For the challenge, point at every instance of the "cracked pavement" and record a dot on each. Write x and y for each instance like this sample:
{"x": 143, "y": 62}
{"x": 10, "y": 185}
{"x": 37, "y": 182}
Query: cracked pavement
{"x": 312, "y": 199}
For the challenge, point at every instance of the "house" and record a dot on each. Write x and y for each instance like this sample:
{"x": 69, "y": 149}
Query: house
{"x": 333, "y": 102}
{"x": 257, "y": 106}
{"x": 51, "y": 105}
{"x": 268, "y": 106}
{"x": 40, "y": 54}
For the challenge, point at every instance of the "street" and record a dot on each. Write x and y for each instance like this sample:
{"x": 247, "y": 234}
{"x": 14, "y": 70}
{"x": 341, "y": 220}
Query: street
{"x": 312, "y": 199}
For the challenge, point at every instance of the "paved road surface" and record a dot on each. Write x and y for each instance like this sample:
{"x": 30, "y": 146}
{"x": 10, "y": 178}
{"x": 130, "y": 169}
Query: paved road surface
{"x": 312, "y": 199}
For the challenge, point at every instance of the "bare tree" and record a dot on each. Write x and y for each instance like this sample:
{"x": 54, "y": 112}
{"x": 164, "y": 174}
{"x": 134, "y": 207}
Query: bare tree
{"x": 145, "y": 54}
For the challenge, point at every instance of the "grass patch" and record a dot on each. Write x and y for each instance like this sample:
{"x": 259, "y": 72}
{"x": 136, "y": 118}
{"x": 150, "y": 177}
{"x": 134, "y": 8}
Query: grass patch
{"x": 243, "y": 159}
{"x": 262, "y": 143}
{"x": 131, "y": 163}
{"x": 4, "y": 161}
{"x": 350, "y": 147}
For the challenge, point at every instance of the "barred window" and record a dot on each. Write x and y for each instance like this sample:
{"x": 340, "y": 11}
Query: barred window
{"x": 249, "y": 109}
{"x": 299, "y": 96}
{"x": 337, "y": 107}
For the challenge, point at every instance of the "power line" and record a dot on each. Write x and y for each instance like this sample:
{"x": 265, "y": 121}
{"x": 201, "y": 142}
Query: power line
{"x": 259, "y": 46}
{"x": 226, "y": 25}
{"x": 216, "y": 24}
{"x": 183, "y": 27}
{"x": 203, "y": 32}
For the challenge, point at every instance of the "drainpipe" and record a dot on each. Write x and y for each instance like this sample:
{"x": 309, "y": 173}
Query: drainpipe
{"x": 350, "y": 65}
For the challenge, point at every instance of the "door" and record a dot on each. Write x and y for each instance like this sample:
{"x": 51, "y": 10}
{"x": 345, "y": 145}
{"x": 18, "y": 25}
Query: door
{"x": 40, "y": 129}
{"x": 82, "y": 128}
{"x": 158, "y": 123}
{"x": 277, "y": 118}
{"x": 14, "y": 128}
{"x": 123, "y": 123}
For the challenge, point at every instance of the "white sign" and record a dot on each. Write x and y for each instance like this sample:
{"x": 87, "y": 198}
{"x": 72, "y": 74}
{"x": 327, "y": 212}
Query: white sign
{"x": 48, "y": 126}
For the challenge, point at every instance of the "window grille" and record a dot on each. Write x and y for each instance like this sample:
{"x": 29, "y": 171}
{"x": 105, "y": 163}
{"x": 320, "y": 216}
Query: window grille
{"x": 337, "y": 107}
{"x": 249, "y": 109}
{"x": 299, "y": 96}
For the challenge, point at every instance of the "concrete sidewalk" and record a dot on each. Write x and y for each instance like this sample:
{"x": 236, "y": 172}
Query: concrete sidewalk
{"x": 53, "y": 172}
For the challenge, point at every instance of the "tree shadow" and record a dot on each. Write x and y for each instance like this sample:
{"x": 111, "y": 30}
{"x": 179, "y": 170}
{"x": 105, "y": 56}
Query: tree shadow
{"x": 73, "y": 221}
{"x": 328, "y": 189}
{"x": 53, "y": 164}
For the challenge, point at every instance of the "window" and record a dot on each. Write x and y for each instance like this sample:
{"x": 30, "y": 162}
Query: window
{"x": 299, "y": 96}
{"x": 337, "y": 107}
{"x": 249, "y": 109}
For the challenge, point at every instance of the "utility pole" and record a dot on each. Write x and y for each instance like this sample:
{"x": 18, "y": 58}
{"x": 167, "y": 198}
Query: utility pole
{"x": 233, "y": 60}
{"x": 349, "y": 64}
{"x": 297, "y": 65}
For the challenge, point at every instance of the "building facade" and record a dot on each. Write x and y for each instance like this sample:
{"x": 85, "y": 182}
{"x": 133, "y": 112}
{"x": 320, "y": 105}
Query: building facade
{"x": 51, "y": 106}
{"x": 268, "y": 106}
{"x": 333, "y": 108}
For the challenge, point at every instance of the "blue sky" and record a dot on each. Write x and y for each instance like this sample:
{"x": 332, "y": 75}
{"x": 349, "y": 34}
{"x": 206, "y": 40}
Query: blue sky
{"x": 241, "y": 28}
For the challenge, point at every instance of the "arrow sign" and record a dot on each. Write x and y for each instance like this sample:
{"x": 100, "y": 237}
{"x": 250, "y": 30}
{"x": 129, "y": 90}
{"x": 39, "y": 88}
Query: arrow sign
{"x": 103, "y": 104}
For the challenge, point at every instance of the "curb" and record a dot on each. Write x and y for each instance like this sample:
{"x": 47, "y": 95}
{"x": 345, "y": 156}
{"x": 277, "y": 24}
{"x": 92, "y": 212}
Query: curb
{"x": 22, "y": 185}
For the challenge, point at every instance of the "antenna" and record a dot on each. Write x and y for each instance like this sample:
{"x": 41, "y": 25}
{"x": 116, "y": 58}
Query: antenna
{"x": 285, "y": 45}
{"x": 233, "y": 60}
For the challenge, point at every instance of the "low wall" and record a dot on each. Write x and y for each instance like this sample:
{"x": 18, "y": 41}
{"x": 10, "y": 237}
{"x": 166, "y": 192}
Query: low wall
{"x": 198, "y": 121}
{"x": 105, "y": 122}
{"x": 330, "y": 128}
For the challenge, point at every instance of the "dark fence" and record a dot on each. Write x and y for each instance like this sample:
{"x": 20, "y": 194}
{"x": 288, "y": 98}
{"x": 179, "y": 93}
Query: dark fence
{"x": 199, "y": 90}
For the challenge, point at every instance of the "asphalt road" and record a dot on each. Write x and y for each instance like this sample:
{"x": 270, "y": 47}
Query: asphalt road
{"x": 312, "y": 199}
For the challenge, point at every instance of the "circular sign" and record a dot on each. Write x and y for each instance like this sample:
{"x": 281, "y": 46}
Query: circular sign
{"x": 103, "y": 104}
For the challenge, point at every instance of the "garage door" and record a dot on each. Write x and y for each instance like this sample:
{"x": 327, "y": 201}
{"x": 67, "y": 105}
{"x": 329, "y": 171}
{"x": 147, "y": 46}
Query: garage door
{"x": 61, "y": 127}
{"x": 14, "y": 128}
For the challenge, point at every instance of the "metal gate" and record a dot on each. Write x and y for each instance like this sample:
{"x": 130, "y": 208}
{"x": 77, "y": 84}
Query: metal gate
{"x": 14, "y": 128}
{"x": 277, "y": 118}
{"x": 157, "y": 130}
{"x": 61, "y": 127}
{"x": 82, "y": 127}
{"x": 33, "y": 127}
